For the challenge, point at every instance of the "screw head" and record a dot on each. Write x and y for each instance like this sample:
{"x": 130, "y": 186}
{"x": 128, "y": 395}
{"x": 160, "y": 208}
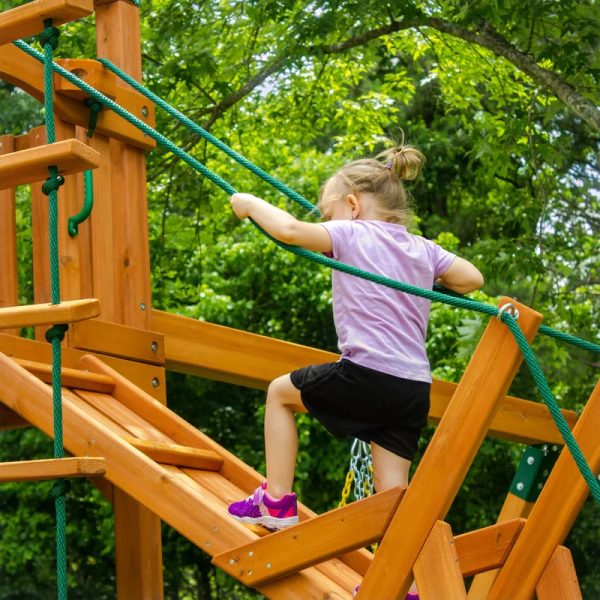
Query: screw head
{"x": 142, "y": 306}
{"x": 145, "y": 111}
{"x": 154, "y": 347}
{"x": 520, "y": 486}
{"x": 155, "y": 382}
{"x": 530, "y": 460}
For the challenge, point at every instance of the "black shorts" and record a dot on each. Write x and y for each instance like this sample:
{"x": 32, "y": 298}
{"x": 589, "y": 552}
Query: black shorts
{"x": 354, "y": 401}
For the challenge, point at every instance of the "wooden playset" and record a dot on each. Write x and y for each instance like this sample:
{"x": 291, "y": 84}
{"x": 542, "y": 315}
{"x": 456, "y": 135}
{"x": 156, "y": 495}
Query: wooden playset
{"x": 152, "y": 465}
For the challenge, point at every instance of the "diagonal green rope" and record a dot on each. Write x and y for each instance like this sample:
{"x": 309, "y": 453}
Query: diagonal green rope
{"x": 460, "y": 302}
{"x": 278, "y": 185}
{"x": 49, "y": 41}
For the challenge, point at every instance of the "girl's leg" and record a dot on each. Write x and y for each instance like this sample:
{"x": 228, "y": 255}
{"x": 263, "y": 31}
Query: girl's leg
{"x": 281, "y": 437}
{"x": 389, "y": 470}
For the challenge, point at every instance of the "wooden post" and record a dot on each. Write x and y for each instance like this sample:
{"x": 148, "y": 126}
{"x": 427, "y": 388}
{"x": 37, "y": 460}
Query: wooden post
{"x": 137, "y": 531}
{"x": 559, "y": 579}
{"x": 9, "y": 285}
{"x": 449, "y": 455}
{"x": 554, "y": 512}
{"x": 437, "y": 571}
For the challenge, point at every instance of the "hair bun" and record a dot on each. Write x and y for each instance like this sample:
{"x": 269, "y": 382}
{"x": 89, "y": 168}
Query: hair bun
{"x": 404, "y": 161}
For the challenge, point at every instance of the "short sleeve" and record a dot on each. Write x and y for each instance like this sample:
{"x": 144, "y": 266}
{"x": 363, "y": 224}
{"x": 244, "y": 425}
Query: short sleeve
{"x": 341, "y": 233}
{"x": 442, "y": 259}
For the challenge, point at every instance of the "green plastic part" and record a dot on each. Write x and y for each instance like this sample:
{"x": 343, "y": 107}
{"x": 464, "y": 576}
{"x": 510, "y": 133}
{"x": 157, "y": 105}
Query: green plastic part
{"x": 532, "y": 472}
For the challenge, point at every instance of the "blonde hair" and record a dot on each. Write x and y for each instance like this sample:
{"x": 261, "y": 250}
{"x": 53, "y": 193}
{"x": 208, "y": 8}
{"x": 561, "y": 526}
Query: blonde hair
{"x": 382, "y": 176}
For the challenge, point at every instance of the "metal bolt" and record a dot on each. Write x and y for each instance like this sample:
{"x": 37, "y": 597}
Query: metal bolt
{"x": 555, "y": 448}
{"x": 530, "y": 460}
{"x": 154, "y": 347}
{"x": 540, "y": 485}
{"x": 142, "y": 306}
{"x": 145, "y": 111}
{"x": 155, "y": 382}
{"x": 232, "y": 561}
{"x": 268, "y": 565}
{"x": 520, "y": 486}
{"x": 250, "y": 553}
{"x": 249, "y": 571}
{"x": 545, "y": 473}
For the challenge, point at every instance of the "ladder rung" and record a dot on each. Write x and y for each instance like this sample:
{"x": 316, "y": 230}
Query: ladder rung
{"x": 47, "y": 314}
{"x": 29, "y": 18}
{"x": 180, "y": 456}
{"x": 313, "y": 541}
{"x": 72, "y": 378}
{"x": 52, "y": 468}
{"x": 28, "y": 166}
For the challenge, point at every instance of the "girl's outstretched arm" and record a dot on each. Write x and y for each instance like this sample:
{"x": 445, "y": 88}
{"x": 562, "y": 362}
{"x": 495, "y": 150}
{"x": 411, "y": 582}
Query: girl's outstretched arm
{"x": 462, "y": 277}
{"x": 280, "y": 224}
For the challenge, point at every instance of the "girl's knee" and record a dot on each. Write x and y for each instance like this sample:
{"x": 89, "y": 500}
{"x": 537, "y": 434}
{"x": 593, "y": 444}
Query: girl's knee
{"x": 282, "y": 391}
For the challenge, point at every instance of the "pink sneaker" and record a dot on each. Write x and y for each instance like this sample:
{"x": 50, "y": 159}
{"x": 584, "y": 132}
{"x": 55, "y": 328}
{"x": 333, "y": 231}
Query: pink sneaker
{"x": 260, "y": 509}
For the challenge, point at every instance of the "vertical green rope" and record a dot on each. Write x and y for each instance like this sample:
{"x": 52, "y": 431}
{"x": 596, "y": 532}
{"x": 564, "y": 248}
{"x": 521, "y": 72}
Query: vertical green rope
{"x": 49, "y": 41}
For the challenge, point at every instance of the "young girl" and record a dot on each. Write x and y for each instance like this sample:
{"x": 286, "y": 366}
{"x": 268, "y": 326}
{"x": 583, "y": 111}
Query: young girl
{"x": 379, "y": 390}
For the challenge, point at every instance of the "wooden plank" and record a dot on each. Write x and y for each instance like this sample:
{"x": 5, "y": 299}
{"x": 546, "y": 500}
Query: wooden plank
{"x": 99, "y": 77}
{"x": 440, "y": 472}
{"x": 29, "y": 166}
{"x": 72, "y": 378}
{"x": 9, "y": 285}
{"x": 311, "y": 542}
{"x": 487, "y": 548}
{"x": 187, "y": 507}
{"x": 554, "y": 512}
{"x": 52, "y": 468}
{"x": 28, "y": 19}
{"x": 513, "y": 508}
{"x": 118, "y": 340}
{"x": 149, "y": 378}
{"x": 179, "y": 456}
{"x": 217, "y": 352}
{"x": 559, "y": 579}
{"x": 26, "y": 72}
{"x": 45, "y": 314}
{"x": 437, "y": 572}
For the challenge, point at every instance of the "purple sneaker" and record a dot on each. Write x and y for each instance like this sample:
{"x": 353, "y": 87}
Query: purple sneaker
{"x": 260, "y": 509}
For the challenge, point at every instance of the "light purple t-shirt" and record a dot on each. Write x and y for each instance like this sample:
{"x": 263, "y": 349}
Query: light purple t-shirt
{"x": 379, "y": 327}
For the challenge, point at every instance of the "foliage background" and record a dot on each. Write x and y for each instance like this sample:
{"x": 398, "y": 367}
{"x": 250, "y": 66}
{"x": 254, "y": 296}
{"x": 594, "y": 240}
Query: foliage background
{"x": 499, "y": 96}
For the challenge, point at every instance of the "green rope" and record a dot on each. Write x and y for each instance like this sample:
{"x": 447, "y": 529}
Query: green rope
{"x": 278, "y": 185}
{"x": 88, "y": 204}
{"x": 49, "y": 41}
{"x": 459, "y": 302}
{"x": 95, "y": 108}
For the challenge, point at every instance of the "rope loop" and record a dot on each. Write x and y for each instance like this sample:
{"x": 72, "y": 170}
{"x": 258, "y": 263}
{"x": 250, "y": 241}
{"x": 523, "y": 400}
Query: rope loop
{"x": 51, "y": 36}
{"x": 95, "y": 107}
{"x": 59, "y": 489}
{"x": 52, "y": 184}
{"x": 56, "y": 332}
{"x": 508, "y": 308}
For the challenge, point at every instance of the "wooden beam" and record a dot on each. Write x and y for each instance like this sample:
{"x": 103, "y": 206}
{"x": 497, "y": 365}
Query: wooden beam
{"x": 26, "y": 72}
{"x": 52, "y": 468}
{"x": 441, "y": 472}
{"x": 180, "y": 456}
{"x": 150, "y": 379}
{"x": 29, "y": 18}
{"x": 311, "y": 542}
{"x": 437, "y": 572}
{"x": 71, "y": 378}
{"x": 118, "y": 340}
{"x": 46, "y": 314}
{"x": 217, "y": 352}
{"x": 559, "y": 579}
{"x": 99, "y": 77}
{"x": 29, "y": 166}
{"x": 9, "y": 282}
{"x": 487, "y": 548}
{"x": 554, "y": 512}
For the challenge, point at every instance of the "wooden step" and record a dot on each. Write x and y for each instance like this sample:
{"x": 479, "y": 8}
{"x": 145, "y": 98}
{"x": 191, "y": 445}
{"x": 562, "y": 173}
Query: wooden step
{"x": 28, "y": 166}
{"x": 48, "y": 314}
{"x": 29, "y": 18}
{"x": 180, "y": 456}
{"x": 71, "y": 378}
{"x": 52, "y": 468}
{"x": 312, "y": 542}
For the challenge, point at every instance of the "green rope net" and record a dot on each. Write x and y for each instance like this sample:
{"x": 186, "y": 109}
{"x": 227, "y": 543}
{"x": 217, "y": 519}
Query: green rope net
{"x": 434, "y": 295}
